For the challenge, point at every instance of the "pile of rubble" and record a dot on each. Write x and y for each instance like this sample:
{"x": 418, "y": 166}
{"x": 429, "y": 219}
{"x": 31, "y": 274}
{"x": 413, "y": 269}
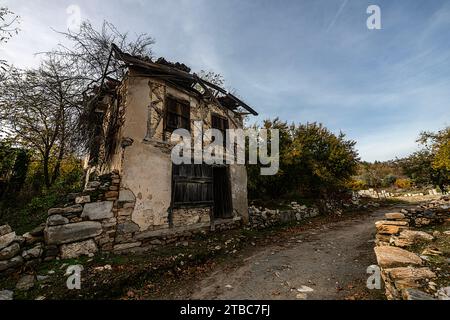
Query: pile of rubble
{"x": 20, "y": 251}
{"x": 10, "y": 250}
{"x": 260, "y": 218}
{"x": 408, "y": 274}
{"x": 371, "y": 193}
{"x": 83, "y": 225}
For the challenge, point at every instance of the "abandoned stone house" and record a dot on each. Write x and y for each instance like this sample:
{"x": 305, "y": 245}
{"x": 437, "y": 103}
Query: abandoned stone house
{"x": 135, "y": 197}
{"x": 135, "y": 117}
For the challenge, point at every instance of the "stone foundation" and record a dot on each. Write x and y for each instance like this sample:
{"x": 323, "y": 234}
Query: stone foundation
{"x": 100, "y": 219}
{"x": 190, "y": 216}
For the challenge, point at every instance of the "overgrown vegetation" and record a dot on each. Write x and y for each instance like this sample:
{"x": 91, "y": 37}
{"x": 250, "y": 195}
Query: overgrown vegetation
{"x": 428, "y": 167}
{"x": 314, "y": 163}
{"x": 24, "y": 199}
{"x": 43, "y": 135}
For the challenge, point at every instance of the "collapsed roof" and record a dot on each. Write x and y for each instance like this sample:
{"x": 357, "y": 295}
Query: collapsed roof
{"x": 179, "y": 75}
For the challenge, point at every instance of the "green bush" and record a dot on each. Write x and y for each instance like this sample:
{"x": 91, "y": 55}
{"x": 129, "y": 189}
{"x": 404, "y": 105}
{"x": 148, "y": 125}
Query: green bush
{"x": 28, "y": 207}
{"x": 314, "y": 162}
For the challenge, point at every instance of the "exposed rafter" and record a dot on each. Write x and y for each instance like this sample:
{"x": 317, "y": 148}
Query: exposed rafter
{"x": 183, "y": 79}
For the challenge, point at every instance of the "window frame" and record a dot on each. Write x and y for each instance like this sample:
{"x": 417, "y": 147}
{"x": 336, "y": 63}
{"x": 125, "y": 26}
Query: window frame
{"x": 179, "y": 115}
{"x": 224, "y": 120}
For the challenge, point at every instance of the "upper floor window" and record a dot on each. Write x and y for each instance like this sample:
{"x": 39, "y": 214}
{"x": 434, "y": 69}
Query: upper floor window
{"x": 178, "y": 114}
{"x": 220, "y": 123}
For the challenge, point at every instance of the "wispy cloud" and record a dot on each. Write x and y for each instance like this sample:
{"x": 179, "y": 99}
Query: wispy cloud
{"x": 338, "y": 13}
{"x": 302, "y": 61}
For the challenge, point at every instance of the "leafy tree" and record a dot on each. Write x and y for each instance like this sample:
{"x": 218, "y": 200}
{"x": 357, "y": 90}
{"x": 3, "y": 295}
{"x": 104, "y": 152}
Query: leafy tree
{"x": 431, "y": 165}
{"x": 439, "y": 145}
{"x": 379, "y": 174}
{"x": 38, "y": 109}
{"x": 403, "y": 183}
{"x": 43, "y": 109}
{"x": 313, "y": 161}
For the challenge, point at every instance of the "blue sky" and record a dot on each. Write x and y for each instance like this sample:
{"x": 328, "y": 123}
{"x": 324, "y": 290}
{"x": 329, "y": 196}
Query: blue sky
{"x": 304, "y": 61}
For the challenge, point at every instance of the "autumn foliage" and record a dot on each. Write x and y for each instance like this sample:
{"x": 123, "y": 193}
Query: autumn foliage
{"x": 314, "y": 162}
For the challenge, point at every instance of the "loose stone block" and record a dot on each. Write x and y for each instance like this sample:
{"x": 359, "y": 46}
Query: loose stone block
{"x": 127, "y": 227}
{"x": 77, "y": 249}
{"x": 126, "y": 196}
{"x": 394, "y": 215}
{"x": 6, "y": 295}
{"x": 125, "y": 211}
{"x": 391, "y": 223}
{"x": 83, "y": 199}
{"x": 388, "y": 229}
{"x": 410, "y": 237}
{"x": 129, "y": 205}
{"x": 33, "y": 253}
{"x": 124, "y": 246}
{"x": 422, "y": 221}
{"x": 93, "y": 184}
{"x": 56, "y": 220}
{"x": 67, "y": 210}
{"x": 414, "y": 294}
{"x": 409, "y": 274}
{"x": 11, "y": 263}
{"x": 111, "y": 194}
{"x": 388, "y": 256}
{"x": 38, "y": 231}
{"x": 26, "y": 282}
{"x": 98, "y": 210}
{"x": 4, "y": 229}
{"x": 10, "y": 251}
{"x": 7, "y": 239}
{"x": 72, "y": 232}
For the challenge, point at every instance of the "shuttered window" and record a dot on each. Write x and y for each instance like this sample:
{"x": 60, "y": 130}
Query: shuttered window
{"x": 192, "y": 185}
{"x": 177, "y": 114}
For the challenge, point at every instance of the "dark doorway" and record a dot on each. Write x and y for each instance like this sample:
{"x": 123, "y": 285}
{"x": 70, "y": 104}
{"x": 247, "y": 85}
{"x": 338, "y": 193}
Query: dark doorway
{"x": 222, "y": 193}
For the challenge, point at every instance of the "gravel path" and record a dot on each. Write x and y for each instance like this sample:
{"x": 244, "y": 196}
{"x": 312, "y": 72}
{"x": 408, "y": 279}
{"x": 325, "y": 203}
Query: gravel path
{"x": 330, "y": 260}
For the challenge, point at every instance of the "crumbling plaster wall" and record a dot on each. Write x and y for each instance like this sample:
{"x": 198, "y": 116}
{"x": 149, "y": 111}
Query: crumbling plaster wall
{"x": 146, "y": 169}
{"x": 238, "y": 178}
{"x": 146, "y": 165}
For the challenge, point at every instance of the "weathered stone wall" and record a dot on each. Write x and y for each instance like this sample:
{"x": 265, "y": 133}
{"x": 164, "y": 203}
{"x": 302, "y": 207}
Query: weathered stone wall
{"x": 372, "y": 193}
{"x": 101, "y": 219}
{"x": 188, "y": 217}
{"x": 260, "y": 218}
{"x": 11, "y": 250}
{"x": 408, "y": 274}
{"x": 88, "y": 222}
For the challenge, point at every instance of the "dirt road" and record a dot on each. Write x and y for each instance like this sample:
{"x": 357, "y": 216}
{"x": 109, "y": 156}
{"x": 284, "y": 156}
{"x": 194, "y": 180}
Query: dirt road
{"x": 330, "y": 260}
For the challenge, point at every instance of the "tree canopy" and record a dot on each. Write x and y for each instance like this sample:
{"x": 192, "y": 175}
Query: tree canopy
{"x": 313, "y": 161}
